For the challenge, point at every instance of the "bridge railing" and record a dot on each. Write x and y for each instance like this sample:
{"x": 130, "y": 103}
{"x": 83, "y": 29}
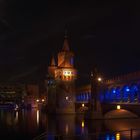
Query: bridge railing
{"x": 132, "y": 134}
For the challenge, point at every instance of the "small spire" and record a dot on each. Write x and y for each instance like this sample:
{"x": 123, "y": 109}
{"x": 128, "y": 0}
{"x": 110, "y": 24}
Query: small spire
{"x": 53, "y": 61}
{"x": 65, "y": 44}
{"x": 66, "y": 33}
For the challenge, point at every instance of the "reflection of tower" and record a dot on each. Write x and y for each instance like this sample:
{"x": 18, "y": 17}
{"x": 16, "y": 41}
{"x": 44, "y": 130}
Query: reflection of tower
{"x": 61, "y": 90}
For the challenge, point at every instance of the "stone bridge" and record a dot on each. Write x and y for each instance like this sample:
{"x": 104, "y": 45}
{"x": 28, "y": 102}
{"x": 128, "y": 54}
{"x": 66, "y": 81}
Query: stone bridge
{"x": 122, "y": 90}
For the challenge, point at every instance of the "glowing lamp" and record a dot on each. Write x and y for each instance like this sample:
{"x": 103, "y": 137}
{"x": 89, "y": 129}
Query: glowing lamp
{"x": 67, "y": 73}
{"x": 67, "y": 97}
{"x": 43, "y": 100}
{"x": 83, "y": 105}
{"x": 99, "y": 79}
{"x": 118, "y": 107}
{"x": 117, "y": 136}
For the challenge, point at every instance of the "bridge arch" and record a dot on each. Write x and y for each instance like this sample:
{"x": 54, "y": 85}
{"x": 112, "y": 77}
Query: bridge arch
{"x": 121, "y": 113}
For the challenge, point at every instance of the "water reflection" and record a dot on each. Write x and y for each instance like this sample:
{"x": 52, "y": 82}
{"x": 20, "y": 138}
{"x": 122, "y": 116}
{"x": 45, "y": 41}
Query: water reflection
{"x": 83, "y": 125}
{"x": 16, "y": 117}
{"x": 124, "y": 125}
{"x": 25, "y": 125}
{"x": 67, "y": 129}
{"x": 118, "y": 136}
{"x": 37, "y": 117}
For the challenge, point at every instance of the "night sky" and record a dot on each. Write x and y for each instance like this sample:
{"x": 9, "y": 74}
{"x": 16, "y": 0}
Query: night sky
{"x": 102, "y": 34}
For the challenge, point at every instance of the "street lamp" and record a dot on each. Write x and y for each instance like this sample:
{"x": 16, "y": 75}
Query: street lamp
{"x": 83, "y": 105}
{"x": 96, "y": 81}
{"x": 99, "y": 79}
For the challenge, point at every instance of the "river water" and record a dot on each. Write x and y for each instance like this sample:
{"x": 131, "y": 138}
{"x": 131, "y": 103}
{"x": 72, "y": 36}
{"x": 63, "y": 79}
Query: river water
{"x": 26, "y": 125}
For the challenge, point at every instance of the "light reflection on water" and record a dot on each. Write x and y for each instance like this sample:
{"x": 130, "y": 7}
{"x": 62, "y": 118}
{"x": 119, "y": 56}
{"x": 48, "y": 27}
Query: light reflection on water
{"x": 16, "y": 118}
{"x": 37, "y": 116}
{"x": 25, "y": 125}
{"x": 118, "y": 136}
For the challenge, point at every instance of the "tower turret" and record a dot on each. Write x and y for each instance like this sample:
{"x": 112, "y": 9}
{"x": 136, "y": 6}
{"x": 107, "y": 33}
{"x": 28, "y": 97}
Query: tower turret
{"x": 52, "y": 68}
{"x": 53, "y": 62}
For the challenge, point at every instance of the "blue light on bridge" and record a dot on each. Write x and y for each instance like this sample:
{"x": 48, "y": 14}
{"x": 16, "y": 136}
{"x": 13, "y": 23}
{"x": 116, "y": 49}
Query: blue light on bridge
{"x": 114, "y": 91}
{"x": 127, "y": 89}
{"x": 107, "y": 137}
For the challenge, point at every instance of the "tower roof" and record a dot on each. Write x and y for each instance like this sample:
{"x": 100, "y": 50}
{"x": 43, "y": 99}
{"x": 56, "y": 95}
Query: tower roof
{"x": 66, "y": 43}
{"x": 53, "y": 61}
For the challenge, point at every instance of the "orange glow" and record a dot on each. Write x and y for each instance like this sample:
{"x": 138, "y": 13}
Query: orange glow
{"x": 43, "y": 100}
{"x": 67, "y": 73}
{"x": 67, "y": 128}
{"x": 83, "y": 124}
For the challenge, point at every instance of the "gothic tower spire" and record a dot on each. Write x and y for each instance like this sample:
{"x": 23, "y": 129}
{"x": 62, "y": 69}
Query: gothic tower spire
{"x": 53, "y": 62}
{"x": 66, "y": 43}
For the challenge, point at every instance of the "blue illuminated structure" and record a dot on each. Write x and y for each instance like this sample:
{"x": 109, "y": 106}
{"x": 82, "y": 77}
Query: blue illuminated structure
{"x": 82, "y": 97}
{"x": 127, "y": 93}
{"x": 124, "y": 94}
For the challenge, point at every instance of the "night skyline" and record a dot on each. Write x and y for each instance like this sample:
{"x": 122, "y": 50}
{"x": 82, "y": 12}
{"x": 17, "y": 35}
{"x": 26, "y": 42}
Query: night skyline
{"x": 103, "y": 34}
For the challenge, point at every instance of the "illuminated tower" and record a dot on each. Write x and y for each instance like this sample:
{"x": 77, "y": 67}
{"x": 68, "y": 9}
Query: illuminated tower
{"x": 64, "y": 76}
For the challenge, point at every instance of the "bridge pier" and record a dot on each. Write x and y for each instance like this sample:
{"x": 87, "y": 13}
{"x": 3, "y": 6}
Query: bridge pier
{"x": 95, "y": 111}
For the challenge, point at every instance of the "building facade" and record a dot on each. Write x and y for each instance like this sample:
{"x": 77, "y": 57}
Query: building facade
{"x": 61, "y": 82}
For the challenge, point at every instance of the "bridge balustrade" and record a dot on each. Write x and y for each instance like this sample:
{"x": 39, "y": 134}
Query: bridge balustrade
{"x": 124, "y": 94}
{"x": 83, "y": 97}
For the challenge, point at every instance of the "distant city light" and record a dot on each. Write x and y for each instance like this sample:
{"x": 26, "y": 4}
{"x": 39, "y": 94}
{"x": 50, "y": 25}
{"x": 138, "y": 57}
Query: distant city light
{"x": 43, "y": 100}
{"x": 118, "y": 107}
{"x": 83, "y": 105}
{"x": 37, "y": 100}
{"x": 99, "y": 79}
